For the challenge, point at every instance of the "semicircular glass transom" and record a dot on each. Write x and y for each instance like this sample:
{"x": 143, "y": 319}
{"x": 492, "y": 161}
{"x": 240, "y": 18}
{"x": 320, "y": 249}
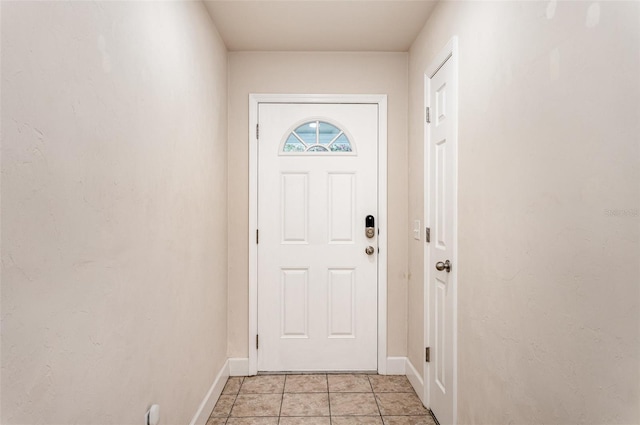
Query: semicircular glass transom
{"x": 317, "y": 136}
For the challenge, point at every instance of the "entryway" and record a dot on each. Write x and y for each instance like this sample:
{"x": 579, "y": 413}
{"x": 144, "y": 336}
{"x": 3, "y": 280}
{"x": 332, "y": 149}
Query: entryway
{"x": 320, "y": 238}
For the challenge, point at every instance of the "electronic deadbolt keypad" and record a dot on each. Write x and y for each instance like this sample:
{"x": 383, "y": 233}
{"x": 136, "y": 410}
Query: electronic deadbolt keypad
{"x": 370, "y": 226}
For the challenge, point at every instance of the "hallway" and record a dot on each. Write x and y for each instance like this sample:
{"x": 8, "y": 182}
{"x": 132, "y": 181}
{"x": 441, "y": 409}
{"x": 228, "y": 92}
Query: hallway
{"x": 128, "y": 234}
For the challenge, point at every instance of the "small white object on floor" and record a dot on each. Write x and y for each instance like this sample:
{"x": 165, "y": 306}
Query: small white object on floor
{"x": 153, "y": 415}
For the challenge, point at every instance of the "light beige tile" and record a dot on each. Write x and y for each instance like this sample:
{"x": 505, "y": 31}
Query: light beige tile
{"x": 216, "y": 421}
{"x": 233, "y": 385}
{"x": 251, "y": 405}
{"x": 223, "y": 406}
{"x": 296, "y": 404}
{"x": 356, "y": 420}
{"x": 408, "y": 420}
{"x": 308, "y": 420}
{"x": 262, "y": 384}
{"x": 353, "y": 404}
{"x": 253, "y": 421}
{"x": 306, "y": 384}
{"x": 396, "y": 404}
{"x": 390, "y": 384}
{"x": 349, "y": 384}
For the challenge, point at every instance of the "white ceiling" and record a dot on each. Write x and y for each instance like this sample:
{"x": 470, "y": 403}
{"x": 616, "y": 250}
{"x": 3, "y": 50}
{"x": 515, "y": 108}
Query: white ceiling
{"x": 319, "y": 25}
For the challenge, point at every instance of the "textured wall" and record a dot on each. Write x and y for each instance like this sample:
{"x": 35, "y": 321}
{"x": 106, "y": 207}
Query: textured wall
{"x": 549, "y": 200}
{"x": 317, "y": 73}
{"x": 113, "y": 211}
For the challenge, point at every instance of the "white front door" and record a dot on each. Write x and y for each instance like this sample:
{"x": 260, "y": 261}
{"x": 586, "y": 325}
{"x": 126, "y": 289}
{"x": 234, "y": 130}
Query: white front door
{"x": 317, "y": 287}
{"x": 442, "y": 269}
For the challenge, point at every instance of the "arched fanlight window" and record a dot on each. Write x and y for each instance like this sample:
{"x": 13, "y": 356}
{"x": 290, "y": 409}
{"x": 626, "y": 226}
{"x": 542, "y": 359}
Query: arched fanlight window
{"x": 317, "y": 136}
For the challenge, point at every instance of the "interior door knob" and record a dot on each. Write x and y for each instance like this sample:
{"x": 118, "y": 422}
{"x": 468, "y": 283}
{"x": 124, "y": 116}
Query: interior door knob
{"x": 369, "y": 250}
{"x": 444, "y": 266}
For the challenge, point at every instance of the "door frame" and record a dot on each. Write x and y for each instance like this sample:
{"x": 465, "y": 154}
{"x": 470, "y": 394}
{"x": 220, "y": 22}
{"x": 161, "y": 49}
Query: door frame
{"x": 381, "y": 101}
{"x": 448, "y": 53}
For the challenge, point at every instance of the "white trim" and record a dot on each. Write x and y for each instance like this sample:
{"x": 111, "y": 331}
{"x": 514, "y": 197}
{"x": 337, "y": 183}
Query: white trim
{"x": 456, "y": 106}
{"x": 382, "y": 236}
{"x": 239, "y": 366}
{"x": 211, "y": 398}
{"x": 253, "y": 225}
{"x": 381, "y": 101}
{"x": 427, "y": 252}
{"x": 450, "y": 49}
{"x": 396, "y": 365}
{"x": 449, "y": 52}
{"x": 416, "y": 381}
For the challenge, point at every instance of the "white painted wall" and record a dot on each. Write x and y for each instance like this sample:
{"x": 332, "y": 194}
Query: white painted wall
{"x": 549, "y": 200}
{"x": 114, "y": 243}
{"x": 317, "y": 73}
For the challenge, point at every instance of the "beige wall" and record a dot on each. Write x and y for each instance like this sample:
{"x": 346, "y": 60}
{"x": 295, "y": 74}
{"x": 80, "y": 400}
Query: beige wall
{"x": 114, "y": 245}
{"x": 549, "y": 198}
{"x": 317, "y": 73}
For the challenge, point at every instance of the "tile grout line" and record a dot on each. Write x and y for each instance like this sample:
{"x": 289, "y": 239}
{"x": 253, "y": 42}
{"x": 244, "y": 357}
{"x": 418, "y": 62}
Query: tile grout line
{"x": 284, "y": 385}
{"x": 376, "y": 399}
{"x": 326, "y": 377}
{"x": 234, "y": 399}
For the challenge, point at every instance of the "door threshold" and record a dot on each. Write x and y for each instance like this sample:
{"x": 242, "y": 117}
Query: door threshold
{"x": 316, "y": 372}
{"x": 433, "y": 417}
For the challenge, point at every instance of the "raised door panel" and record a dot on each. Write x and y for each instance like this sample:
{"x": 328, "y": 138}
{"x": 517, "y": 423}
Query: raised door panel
{"x": 294, "y": 300}
{"x": 342, "y": 303}
{"x": 341, "y": 207}
{"x": 294, "y": 216}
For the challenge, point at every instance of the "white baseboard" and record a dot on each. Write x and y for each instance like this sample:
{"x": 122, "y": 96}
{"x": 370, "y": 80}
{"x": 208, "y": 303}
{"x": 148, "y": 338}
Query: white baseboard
{"x": 210, "y": 400}
{"x": 239, "y": 366}
{"x": 416, "y": 380}
{"x": 396, "y": 365}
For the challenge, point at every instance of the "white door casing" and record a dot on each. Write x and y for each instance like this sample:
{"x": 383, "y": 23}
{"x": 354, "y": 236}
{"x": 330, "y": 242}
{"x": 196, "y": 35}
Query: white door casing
{"x": 314, "y": 287}
{"x": 441, "y": 217}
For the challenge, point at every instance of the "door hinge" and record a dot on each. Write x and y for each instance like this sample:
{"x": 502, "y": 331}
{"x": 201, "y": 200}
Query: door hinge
{"x": 258, "y": 131}
{"x": 428, "y": 115}
{"x": 427, "y": 354}
{"x": 257, "y": 236}
{"x": 427, "y": 234}
{"x": 257, "y": 345}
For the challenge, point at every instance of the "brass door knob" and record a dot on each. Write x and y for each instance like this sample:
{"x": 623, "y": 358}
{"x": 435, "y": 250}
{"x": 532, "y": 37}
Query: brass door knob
{"x": 369, "y": 250}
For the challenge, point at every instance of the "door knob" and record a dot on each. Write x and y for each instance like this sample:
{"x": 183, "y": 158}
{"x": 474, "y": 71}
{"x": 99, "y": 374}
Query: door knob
{"x": 444, "y": 266}
{"x": 369, "y": 250}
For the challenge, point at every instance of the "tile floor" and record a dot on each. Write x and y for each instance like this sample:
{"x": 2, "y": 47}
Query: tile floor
{"x": 319, "y": 399}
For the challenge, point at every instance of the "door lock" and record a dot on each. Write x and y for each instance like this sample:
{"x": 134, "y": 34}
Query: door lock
{"x": 370, "y": 226}
{"x": 444, "y": 266}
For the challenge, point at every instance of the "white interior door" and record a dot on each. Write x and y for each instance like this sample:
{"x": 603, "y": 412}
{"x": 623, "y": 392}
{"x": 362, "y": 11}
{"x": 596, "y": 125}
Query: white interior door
{"x": 317, "y": 287}
{"x": 441, "y": 266}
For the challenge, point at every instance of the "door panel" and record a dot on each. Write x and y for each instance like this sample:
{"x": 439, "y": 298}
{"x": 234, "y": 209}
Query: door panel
{"x": 342, "y": 218}
{"x": 342, "y": 300}
{"x": 294, "y": 297}
{"x": 295, "y": 207}
{"x": 440, "y": 229}
{"x": 317, "y": 288}
{"x": 440, "y": 333}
